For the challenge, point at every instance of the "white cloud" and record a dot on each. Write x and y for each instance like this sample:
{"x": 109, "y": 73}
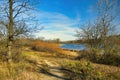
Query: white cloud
{"x": 56, "y": 34}
{"x": 56, "y": 25}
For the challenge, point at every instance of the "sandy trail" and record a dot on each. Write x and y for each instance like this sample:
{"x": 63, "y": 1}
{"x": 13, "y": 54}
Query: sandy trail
{"x": 55, "y": 72}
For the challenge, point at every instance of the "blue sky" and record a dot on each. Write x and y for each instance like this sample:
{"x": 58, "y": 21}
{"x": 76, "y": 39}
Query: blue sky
{"x": 71, "y": 8}
{"x": 61, "y": 18}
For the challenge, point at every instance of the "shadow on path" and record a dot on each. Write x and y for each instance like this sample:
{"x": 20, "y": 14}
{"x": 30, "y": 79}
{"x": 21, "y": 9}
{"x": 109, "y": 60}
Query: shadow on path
{"x": 60, "y": 73}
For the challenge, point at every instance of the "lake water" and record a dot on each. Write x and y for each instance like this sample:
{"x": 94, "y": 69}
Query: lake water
{"x": 73, "y": 46}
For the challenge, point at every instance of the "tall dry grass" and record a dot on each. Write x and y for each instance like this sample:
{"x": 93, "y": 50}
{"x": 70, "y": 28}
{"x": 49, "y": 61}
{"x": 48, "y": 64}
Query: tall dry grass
{"x": 46, "y": 47}
{"x": 18, "y": 71}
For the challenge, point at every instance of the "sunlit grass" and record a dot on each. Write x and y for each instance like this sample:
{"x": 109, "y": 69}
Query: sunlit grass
{"x": 18, "y": 71}
{"x": 87, "y": 70}
{"x": 31, "y": 62}
{"x": 46, "y": 47}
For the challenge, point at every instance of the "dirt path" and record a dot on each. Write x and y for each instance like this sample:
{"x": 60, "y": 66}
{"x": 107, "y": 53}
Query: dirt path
{"x": 48, "y": 65}
{"x": 55, "y": 72}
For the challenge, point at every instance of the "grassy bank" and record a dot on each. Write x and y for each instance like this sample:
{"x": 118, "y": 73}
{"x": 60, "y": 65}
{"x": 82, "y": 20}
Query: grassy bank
{"x": 33, "y": 59}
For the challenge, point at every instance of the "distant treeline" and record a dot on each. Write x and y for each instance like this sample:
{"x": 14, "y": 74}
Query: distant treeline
{"x": 84, "y": 41}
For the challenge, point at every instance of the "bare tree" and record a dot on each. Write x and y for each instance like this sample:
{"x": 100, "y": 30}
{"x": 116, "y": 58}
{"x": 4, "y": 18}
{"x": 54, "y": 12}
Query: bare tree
{"x": 14, "y": 14}
{"x": 103, "y": 26}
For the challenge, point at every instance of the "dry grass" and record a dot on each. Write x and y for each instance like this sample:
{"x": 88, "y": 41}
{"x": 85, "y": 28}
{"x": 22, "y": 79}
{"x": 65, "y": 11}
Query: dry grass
{"x": 96, "y": 71}
{"x": 29, "y": 67}
{"x": 52, "y": 49}
{"x": 18, "y": 71}
{"x": 24, "y": 69}
{"x": 46, "y": 47}
{"x": 107, "y": 68}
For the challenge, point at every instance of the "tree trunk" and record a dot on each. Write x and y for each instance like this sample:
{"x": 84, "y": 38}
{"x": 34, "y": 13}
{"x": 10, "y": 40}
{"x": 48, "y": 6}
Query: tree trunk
{"x": 10, "y": 31}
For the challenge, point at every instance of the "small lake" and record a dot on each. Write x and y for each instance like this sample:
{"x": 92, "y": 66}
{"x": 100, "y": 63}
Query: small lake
{"x": 73, "y": 46}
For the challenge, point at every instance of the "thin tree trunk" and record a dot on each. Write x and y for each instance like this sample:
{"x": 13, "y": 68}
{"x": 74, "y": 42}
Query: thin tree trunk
{"x": 10, "y": 31}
